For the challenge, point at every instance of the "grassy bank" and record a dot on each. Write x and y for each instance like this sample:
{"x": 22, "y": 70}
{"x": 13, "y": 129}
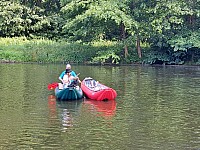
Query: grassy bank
{"x": 42, "y": 50}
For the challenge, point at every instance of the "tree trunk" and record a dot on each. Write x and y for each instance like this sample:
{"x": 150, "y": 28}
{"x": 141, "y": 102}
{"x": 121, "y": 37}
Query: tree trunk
{"x": 191, "y": 20}
{"x": 123, "y": 33}
{"x": 125, "y": 51}
{"x": 138, "y": 48}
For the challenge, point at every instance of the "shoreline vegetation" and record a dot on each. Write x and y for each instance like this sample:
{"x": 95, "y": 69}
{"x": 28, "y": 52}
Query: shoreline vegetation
{"x": 100, "y": 32}
{"x": 22, "y": 50}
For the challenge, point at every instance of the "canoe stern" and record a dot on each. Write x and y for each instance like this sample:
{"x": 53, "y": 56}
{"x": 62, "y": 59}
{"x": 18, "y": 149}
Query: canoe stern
{"x": 69, "y": 93}
{"x": 107, "y": 94}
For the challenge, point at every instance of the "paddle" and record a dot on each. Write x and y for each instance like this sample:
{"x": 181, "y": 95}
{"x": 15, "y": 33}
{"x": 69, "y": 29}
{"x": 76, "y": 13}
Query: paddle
{"x": 52, "y": 86}
{"x": 77, "y": 78}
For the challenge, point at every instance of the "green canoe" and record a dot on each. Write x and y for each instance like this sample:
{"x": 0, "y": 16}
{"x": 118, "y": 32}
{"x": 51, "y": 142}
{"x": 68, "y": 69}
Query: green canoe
{"x": 69, "y": 93}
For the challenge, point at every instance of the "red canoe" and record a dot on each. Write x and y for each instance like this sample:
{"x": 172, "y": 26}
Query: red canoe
{"x": 97, "y": 91}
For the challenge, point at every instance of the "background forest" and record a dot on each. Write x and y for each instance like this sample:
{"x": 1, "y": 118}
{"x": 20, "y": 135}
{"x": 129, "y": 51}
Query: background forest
{"x": 100, "y": 31}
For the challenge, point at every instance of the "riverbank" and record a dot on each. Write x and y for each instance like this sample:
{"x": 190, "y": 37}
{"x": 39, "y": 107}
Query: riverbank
{"x": 47, "y": 51}
{"x": 22, "y": 50}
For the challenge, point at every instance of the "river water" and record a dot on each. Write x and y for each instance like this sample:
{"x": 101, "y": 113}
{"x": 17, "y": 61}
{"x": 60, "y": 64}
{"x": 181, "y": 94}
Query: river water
{"x": 156, "y": 108}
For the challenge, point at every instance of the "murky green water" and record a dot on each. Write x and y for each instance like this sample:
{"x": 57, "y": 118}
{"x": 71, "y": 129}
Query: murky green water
{"x": 156, "y": 108}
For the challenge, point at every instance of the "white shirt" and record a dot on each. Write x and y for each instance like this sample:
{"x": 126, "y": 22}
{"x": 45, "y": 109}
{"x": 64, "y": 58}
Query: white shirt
{"x": 66, "y": 79}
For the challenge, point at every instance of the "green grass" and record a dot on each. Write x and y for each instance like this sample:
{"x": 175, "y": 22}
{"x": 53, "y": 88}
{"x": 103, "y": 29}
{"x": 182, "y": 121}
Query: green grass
{"x": 20, "y": 49}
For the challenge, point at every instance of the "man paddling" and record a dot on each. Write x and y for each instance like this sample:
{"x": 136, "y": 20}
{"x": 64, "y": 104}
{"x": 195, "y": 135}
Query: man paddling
{"x": 72, "y": 73}
{"x": 68, "y": 67}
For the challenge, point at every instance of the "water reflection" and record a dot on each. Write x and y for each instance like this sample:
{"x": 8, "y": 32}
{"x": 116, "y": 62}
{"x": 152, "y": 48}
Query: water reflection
{"x": 64, "y": 110}
{"x": 67, "y": 120}
{"x": 107, "y": 109}
{"x": 157, "y": 108}
{"x": 52, "y": 107}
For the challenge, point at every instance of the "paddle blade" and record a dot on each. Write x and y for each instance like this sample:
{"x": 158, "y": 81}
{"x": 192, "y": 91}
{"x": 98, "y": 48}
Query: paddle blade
{"x": 52, "y": 86}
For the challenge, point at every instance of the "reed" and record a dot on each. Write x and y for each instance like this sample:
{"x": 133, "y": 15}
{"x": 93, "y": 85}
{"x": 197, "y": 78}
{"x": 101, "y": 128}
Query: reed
{"x": 20, "y": 49}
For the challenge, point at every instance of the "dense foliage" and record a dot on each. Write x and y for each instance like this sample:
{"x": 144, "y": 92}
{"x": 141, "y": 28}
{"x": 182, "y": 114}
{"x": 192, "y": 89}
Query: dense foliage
{"x": 159, "y": 31}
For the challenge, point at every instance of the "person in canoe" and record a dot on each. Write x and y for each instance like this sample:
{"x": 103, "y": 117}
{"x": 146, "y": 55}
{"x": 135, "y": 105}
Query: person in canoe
{"x": 69, "y": 80}
{"x": 68, "y": 66}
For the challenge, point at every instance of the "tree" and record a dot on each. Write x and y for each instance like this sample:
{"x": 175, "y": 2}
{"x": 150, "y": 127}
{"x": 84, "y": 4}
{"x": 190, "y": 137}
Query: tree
{"x": 19, "y": 20}
{"x": 92, "y": 19}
